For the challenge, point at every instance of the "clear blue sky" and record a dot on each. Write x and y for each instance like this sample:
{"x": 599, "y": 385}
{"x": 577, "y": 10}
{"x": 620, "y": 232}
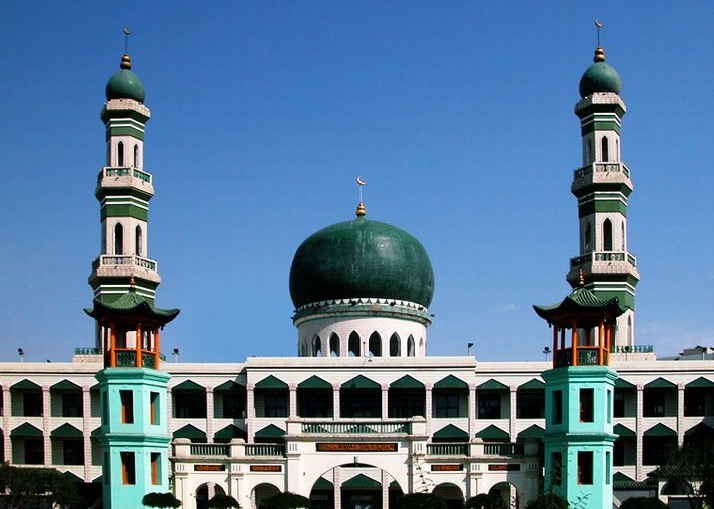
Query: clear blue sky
{"x": 459, "y": 115}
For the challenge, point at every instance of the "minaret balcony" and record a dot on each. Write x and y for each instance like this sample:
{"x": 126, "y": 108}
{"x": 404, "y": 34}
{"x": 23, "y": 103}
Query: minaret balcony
{"x": 601, "y": 173}
{"x": 603, "y": 262}
{"x": 126, "y": 266}
{"x": 125, "y": 176}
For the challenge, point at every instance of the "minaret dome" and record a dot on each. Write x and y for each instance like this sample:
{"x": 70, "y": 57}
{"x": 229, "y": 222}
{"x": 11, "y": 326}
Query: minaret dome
{"x": 600, "y": 77}
{"x": 125, "y": 84}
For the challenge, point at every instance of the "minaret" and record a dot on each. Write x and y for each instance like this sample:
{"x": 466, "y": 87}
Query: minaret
{"x": 124, "y": 189}
{"x": 602, "y": 186}
{"x": 579, "y": 392}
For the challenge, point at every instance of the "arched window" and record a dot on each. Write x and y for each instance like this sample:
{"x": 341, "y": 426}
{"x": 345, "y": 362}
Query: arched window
{"x": 316, "y": 346}
{"x": 588, "y": 151}
{"x": 421, "y": 346}
{"x": 118, "y": 239}
{"x": 136, "y": 156}
{"x": 303, "y": 350}
{"x": 629, "y": 330}
{"x": 120, "y": 153}
{"x": 334, "y": 345}
{"x": 138, "y": 240}
{"x": 617, "y": 150}
{"x": 607, "y": 235}
{"x": 605, "y": 149}
{"x": 395, "y": 346}
{"x": 622, "y": 239}
{"x": 587, "y": 241}
{"x": 353, "y": 345}
{"x": 410, "y": 346}
{"x": 375, "y": 345}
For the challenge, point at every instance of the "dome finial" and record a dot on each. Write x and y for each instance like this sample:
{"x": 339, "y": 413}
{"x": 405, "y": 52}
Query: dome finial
{"x": 361, "y": 209}
{"x": 599, "y": 54}
{"x": 125, "y": 62}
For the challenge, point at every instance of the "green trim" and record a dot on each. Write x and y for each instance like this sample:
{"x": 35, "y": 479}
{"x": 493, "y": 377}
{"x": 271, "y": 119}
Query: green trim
{"x": 229, "y": 432}
{"x": 602, "y": 206}
{"x": 451, "y": 382}
{"x": 660, "y": 430}
{"x": 270, "y": 382}
{"x": 623, "y": 431}
{"x": 191, "y": 432}
{"x": 360, "y": 382}
{"x": 26, "y": 430}
{"x": 451, "y": 432}
{"x": 492, "y": 385}
{"x": 124, "y": 131}
{"x": 700, "y": 383}
{"x": 270, "y": 431}
{"x": 660, "y": 383}
{"x": 492, "y": 433}
{"x": 406, "y": 382}
{"x": 65, "y": 385}
{"x": 532, "y": 384}
{"x": 229, "y": 386}
{"x": 361, "y": 481}
{"x": 188, "y": 385}
{"x": 323, "y": 484}
{"x": 66, "y": 431}
{"x": 25, "y": 385}
{"x": 533, "y": 431}
{"x": 314, "y": 382}
{"x": 123, "y": 210}
{"x": 599, "y": 125}
{"x": 621, "y": 383}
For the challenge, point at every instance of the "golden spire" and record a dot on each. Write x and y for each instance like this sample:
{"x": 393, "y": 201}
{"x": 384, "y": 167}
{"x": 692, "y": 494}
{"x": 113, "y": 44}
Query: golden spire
{"x": 599, "y": 54}
{"x": 361, "y": 210}
{"x": 132, "y": 283}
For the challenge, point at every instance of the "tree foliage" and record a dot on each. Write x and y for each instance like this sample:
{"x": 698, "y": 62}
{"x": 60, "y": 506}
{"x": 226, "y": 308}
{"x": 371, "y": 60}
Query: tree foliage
{"x": 548, "y": 501}
{"x": 161, "y": 500}
{"x": 421, "y": 501}
{"x": 221, "y": 501}
{"x": 692, "y": 468}
{"x": 26, "y": 488}
{"x": 643, "y": 503}
{"x": 285, "y": 500}
{"x": 485, "y": 501}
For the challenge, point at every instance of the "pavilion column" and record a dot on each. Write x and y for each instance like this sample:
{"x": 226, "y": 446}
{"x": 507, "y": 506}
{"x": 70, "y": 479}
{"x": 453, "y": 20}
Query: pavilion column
{"x": 601, "y": 343}
{"x": 555, "y": 343}
{"x": 574, "y": 352}
{"x": 112, "y": 346}
{"x": 139, "y": 359}
{"x": 157, "y": 347}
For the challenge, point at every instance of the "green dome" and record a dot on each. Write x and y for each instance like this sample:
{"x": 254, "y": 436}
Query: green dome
{"x": 600, "y": 77}
{"x": 359, "y": 259}
{"x": 125, "y": 84}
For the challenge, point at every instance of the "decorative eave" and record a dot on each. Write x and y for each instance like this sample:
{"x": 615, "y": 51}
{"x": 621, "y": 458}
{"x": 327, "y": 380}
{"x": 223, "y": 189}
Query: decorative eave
{"x": 131, "y": 305}
{"x": 582, "y": 302}
{"x": 125, "y": 107}
{"x": 361, "y": 307}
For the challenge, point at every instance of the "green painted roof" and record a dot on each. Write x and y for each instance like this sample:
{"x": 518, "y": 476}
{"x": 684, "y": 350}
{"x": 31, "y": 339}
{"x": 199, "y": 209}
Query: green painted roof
{"x": 65, "y": 385}
{"x": 361, "y": 481}
{"x": 72, "y": 477}
{"x": 701, "y": 382}
{"x": 25, "y": 385}
{"x": 361, "y": 382}
{"x": 188, "y": 385}
{"x": 191, "y": 432}
{"x": 451, "y": 432}
{"x": 492, "y": 433}
{"x": 621, "y": 383}
{"x": 533, "y": 431}
{"x": 660, "y": 383}
{"x": 702, "y": 430}
{"x": 131, "y": 304}
{"x": 230, "y": 385}
{"x": 451, "y": 382}
{"x": 322, "y": 484}
{"x": 406, "y": 382}
{"x": 270, "y": 431}
{"x": 660, "y": 430}
{"x": 621, "y": 482}
{"x": 314, "y": 382}
{"x": 125, "y": 84}
{"x": 533, "y": 384}
{"x": 229, "y": 432}
{"x": 492, "y": 385}
{"x": 360, "y": 259}
{"x": 270, "y": 382}
{"x": 623, "y": 431}
{"x": 26, "y": 430}
{"x": 66, "y": 431}
{"x": 600, "y": 77}
{"x": 580, "y": 301}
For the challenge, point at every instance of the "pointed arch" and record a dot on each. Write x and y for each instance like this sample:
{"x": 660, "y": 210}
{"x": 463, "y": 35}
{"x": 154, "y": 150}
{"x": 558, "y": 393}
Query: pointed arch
{"x": 136, "y": 156}
{"x": 316, "y": 346}
{"x": 303, "y": 349}
{"x": 607, "y": 235}
{"x": 138, "y": 241}
{"x": 622, "y": 238}
{"x": 629, "y": 331}
{"x": 120, "y": 153}
{"x": 395, "y": 346}
{"x": 334, "y": 345}
{"x": 588, "y": 237}
{"x": 617, "y": 150}
{"x": 118, "y": 239}
{"x": 375, "y": 344}
{"x": 605, "y": 149}
{"x": 353, "y": 345}
{"x": 410, "y": 346}
{"x": 421, "y": 347}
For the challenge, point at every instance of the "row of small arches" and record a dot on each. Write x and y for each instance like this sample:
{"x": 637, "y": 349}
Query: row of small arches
{"x": 356, "y": 348}
{"x": 121, "y": 157}
{"x": 119, "y": 240}
{"x": 604, "y": 150}
{"x": 607, "y": 237}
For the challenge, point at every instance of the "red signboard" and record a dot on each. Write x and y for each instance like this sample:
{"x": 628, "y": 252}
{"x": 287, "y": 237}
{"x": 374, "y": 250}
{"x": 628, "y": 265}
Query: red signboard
{"x": 356, "y": 447}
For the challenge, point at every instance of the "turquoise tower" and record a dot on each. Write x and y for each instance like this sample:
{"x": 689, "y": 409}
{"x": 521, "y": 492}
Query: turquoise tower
{"x": 579, "y": 392}
{"x": 134, "y": 434}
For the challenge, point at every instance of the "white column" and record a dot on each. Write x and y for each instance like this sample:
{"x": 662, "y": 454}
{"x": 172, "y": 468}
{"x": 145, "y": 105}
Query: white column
{"x": 46, "y": 412}
{"x": 292, "y": 400}
{"x": 337, "y": 486}
{"x": 639, "y": 425}
{"x": 680, "y": 414}
{"x": 6, "y": 411}
{"x": 473, "y": 405}
{"x": 385, "y": 401}
{"x": 87, "y": 430}
{"x": 336, "y": 401}
{"x": 512, "y": 420}
{"x": 385, "y": 490}
{"x": 428, "y": 390}
{"x": 250, "y": 409}
{"x": 209, "y": 415}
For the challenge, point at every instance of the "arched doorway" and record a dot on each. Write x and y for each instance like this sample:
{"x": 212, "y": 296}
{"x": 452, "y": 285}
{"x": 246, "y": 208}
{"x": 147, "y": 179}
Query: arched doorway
{"x": 206, "y": 492}
{"x": 452, "y": 495}
{"x": 507, "y": 492}
{"x": 360, "y": 486}
{"x": 261, "y": 492}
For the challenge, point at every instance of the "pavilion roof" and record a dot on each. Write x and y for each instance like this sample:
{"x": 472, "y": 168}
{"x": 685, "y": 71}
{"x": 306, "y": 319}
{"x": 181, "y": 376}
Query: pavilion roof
{"x": 131, "y": 304}
{"x": 581, "y": 302}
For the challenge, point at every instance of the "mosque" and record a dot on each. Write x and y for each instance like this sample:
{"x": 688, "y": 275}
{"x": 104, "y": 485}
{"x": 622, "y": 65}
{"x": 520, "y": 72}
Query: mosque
{"x": 362, "y": 414}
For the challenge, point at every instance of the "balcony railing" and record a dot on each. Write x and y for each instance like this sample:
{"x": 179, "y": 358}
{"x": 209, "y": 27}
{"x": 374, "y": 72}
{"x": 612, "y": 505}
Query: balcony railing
{"x": 448, "y": 449}
{"x": 603, "y": 256}
{"x": 87, "y": 351}
{"x": 265, "y": 450}
{"x": 602, "y": 168}
{"x": 356, "y": 428}
{"x": 210, "y": 450}
{"x": 586, "y": 356}
{"x": 139, "y": 261}
{"x": 633, "y": 349}
{"x": 124, "y": 171}
{"x": 126, "y": 357}
{"x": 503, "y": 449}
